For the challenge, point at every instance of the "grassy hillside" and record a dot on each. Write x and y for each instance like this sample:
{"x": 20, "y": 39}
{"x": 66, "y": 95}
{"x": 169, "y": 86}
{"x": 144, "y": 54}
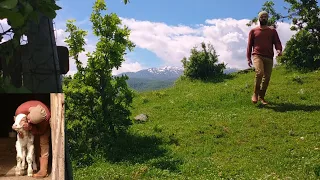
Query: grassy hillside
{"x": 200, "y": 130}
{"x": 141, "y": 85}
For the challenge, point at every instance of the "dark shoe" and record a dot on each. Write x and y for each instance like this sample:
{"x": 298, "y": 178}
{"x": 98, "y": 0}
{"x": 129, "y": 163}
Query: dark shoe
{"x": 42, "y": 173}
{"x": 263, "y": 101}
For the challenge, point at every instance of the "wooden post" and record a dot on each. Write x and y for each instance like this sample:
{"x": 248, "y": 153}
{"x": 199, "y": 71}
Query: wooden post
{"x": 57, "y": 136}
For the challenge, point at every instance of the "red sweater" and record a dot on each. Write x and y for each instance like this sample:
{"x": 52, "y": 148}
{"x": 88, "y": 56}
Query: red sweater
{"x": 262, "y": 41}
{"x": 37, "y": 129}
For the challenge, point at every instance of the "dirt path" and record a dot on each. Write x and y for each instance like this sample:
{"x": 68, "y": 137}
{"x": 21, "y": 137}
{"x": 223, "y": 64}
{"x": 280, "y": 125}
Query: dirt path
{"x": 11, "y": 176}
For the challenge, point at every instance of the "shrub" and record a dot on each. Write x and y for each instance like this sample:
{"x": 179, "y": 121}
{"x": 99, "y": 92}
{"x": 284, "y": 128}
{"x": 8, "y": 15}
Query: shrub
{"x": 302, "y": 52}
{"x": 203, "y": 64}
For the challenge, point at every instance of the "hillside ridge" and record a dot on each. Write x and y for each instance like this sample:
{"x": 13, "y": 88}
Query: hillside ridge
{"x": 206, "y": 130}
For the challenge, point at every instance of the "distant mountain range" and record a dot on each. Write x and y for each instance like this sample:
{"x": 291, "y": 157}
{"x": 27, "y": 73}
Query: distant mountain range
{"x": 162, "y": 74}
{"x": 157, "y": 78}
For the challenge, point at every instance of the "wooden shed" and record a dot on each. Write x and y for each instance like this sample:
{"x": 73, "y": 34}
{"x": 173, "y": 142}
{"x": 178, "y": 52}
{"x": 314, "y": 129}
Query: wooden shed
{"x": 56, "y": 167}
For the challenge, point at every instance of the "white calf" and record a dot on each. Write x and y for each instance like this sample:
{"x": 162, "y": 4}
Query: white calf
{"x": 24, "y": 145}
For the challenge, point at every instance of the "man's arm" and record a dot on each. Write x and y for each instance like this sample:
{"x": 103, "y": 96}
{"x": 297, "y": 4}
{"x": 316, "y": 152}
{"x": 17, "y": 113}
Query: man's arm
{"x": 250, "y": 44}
{"x": 276, "y": 41}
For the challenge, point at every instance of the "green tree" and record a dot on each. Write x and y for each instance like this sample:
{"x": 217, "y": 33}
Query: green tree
{"x": 97, "y": 103}
{"x": 75, "y": 41}
{"x": 302, "y": 52}
{"x": 268, "y": 6}
{"x": 203, "y": 64}
{"x": 305, "y": 15}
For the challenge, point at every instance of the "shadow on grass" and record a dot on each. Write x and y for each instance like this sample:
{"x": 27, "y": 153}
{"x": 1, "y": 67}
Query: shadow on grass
{"x": 170, "y": 164}
{"x": 139, "y": 149}
{"x": 285, "y": 107}
{"x": 135, "y": 148}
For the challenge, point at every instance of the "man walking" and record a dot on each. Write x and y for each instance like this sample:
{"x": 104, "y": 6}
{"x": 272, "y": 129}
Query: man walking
{"x": 260, "y": 46}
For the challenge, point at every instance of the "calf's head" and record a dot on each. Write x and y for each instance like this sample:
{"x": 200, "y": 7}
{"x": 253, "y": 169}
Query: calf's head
{"x": 19, "y": 121}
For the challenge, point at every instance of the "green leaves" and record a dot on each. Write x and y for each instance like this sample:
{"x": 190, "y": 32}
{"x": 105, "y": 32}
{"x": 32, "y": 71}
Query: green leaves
{"x": 102, "y": 102}
{"x": 303, "y": 49}
{"x": 273, "y": 15}
{"x": 301, "y": 52}
{"x": 34, "y": 16}
{"x": 18, "y": 13}
{"x": 203, "y": 64}
{"x": 99, "y": 5}
{"x": 18, "y": 16}
{"x": 7, "y": 87}
{"x": 75, "y": 41}
{"x": 48, "y": 8}
{"x": 8, "y": 4}
{"x": 15, "y": 19}
{"x": 305, "y": 15}
{"x": 27, "y": 8}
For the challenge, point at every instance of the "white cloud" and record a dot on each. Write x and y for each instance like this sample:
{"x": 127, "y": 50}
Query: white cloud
{"x": 4, "y": 25}
{"x": 3, "y": 28}
{"x": 171, "y": 43}
{"x": 60, "y": 35}
{"x": 128, "y": 66}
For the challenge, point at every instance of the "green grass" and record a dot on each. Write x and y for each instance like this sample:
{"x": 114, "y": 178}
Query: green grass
{"x": 203, "y": 130}
{"x": 142, "y": 85}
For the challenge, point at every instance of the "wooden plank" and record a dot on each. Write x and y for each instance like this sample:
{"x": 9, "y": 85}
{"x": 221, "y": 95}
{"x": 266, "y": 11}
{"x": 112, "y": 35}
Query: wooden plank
{"x": 62, "y": 138}
{"x": 57, "y": 131}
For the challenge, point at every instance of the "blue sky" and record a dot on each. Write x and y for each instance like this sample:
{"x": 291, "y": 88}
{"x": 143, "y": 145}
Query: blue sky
{"x": 171, "y": 12}
{"x": 165, "y": 30}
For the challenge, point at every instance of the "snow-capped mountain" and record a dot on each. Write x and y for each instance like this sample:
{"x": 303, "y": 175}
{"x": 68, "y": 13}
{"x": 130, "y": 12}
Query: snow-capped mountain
{"x": 157, "y": 78}
{"x": 163, "y": 73}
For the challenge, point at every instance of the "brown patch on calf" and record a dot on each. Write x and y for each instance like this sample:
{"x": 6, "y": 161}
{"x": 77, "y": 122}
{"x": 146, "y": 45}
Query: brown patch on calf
{"x": 21, "y": 135}
{"x": 23, "y": 121}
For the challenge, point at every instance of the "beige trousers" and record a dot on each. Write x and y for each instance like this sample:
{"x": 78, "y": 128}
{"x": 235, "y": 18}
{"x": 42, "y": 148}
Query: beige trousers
{"x": 37, "y": 115}
{"x": 44, "y": 144}
{"x": 263, "y": 68}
